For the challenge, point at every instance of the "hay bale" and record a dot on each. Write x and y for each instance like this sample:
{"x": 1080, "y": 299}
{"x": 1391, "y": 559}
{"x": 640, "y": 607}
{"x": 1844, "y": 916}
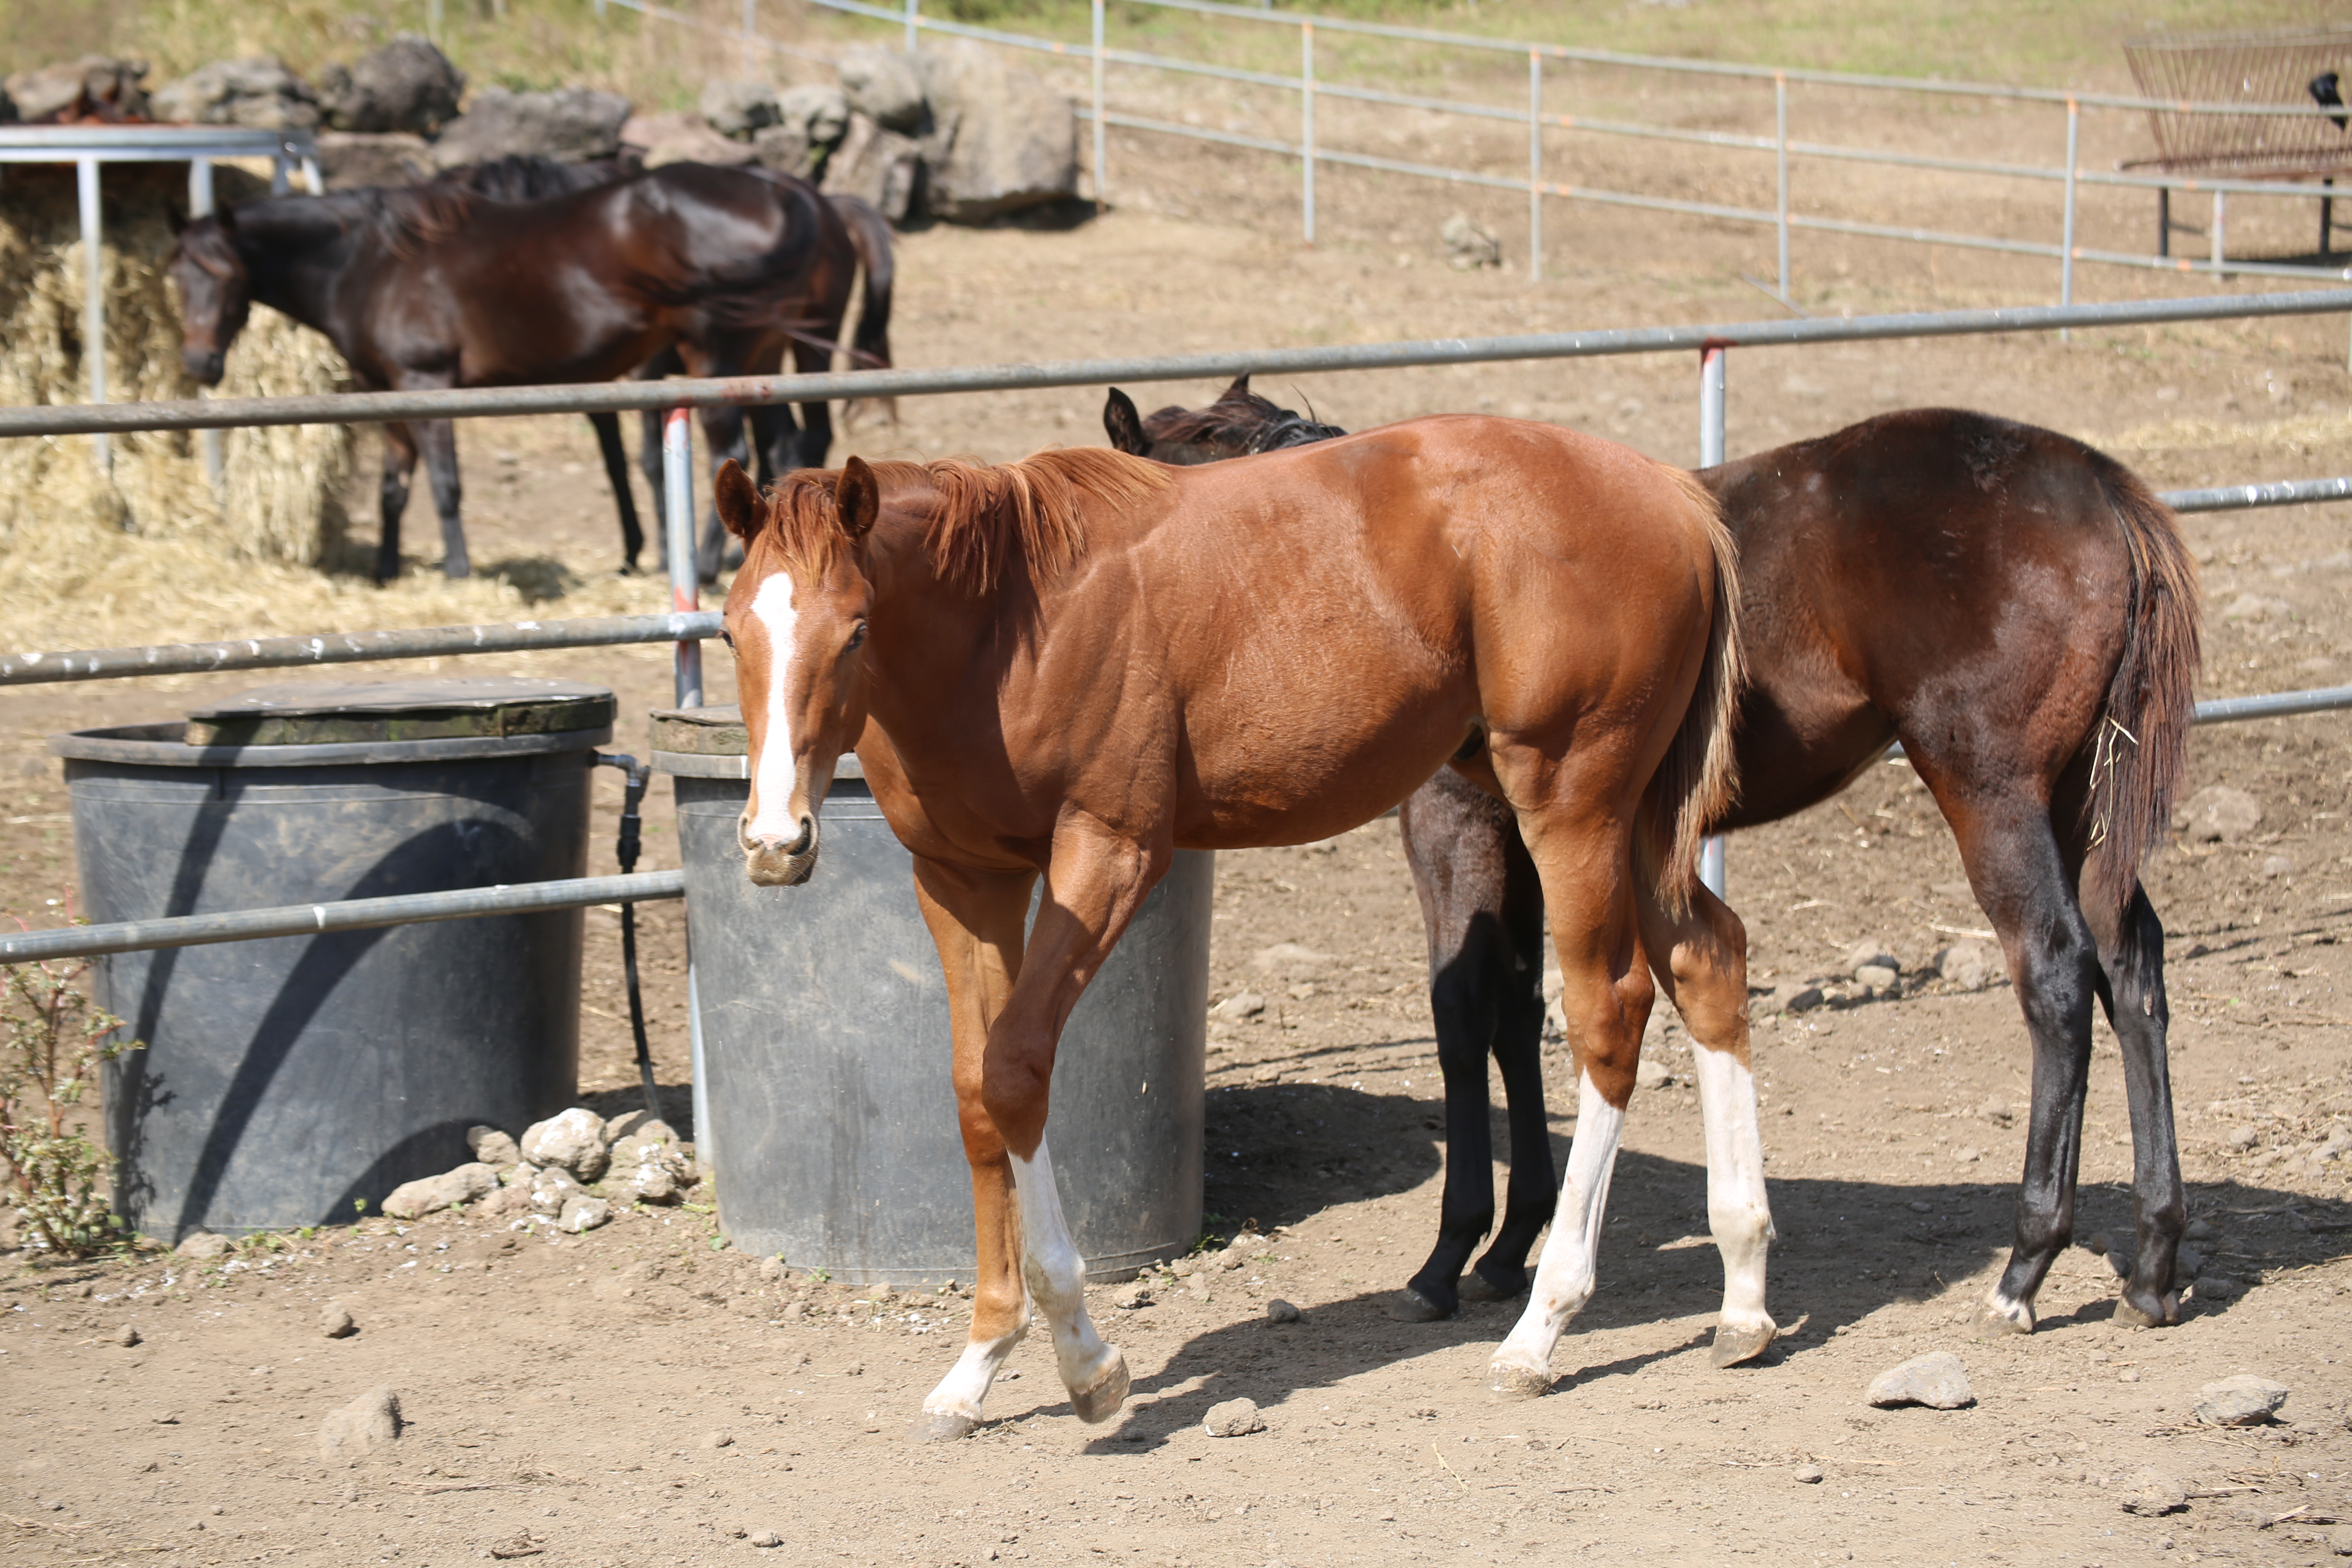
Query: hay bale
{"x": 62, "y": 524}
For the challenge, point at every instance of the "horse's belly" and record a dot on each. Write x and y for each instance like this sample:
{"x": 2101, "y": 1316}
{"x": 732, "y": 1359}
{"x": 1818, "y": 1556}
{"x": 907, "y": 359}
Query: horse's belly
{"x": 1306, "y": 770}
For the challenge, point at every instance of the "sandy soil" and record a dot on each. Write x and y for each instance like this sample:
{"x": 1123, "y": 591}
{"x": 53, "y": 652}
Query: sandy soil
{"x": 642, "y": 1395}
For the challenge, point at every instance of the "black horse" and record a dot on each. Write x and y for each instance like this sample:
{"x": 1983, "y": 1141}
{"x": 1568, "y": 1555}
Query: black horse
{"x": 2020, "y": 611}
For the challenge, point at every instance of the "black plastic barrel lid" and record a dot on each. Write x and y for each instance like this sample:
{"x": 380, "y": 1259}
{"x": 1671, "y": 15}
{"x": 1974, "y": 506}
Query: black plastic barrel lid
{"x": 714, "y": 732}
{"x": 309, "y": 715}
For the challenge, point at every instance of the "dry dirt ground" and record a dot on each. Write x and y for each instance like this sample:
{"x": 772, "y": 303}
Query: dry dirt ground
{"x": 641, "y": 1394}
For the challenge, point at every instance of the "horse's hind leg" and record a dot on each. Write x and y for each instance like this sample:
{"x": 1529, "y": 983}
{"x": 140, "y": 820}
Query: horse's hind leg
{"x": 775, "y": 440}
{"x": 1462, "y": 843}
{"x": 1585, "y": 863}
{"x": 1700, "y": 958}
{"x": 976, "y": 921}
{"x": 399, "y": 466}
{"x": 816, "y": 418}
{"x": 1531, "y": 1186}
{"x": 2132, "y": 959}
{"x": 438, "y": 437}
{"x": 722, "y": 431}
{"x": 616, "y": 470}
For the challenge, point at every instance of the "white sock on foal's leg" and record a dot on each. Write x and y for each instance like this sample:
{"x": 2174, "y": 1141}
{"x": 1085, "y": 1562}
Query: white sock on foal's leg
{"x": 1737, "y": 1211}
{"x": 1093, "y": 1373}
{"x": 1522, "y": 1362}
{"x": 953, "y": 1407}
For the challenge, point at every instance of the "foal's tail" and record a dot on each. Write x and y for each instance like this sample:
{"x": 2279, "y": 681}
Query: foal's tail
{"x": 2140, "y": 746}
{"x": 1695, "y": 783}
{"x": 869, "y": 233}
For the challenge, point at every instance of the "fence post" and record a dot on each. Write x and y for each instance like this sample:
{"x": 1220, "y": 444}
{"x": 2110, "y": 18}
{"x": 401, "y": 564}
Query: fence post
{"x": 1098, "y": 107}
{"x": 1307, "y": 122}
{"x": 200, "y": 205}
{"x": 2221, "y": 202}
{"x": 750, "y": 19}
{"x": 1780, "y": 201}
{"x": 93, "y": 302}
{"x": 433, "y": 20}
{"x": 1711, "y": 857}
{"x": 1535, "y": 166}
{"x": 2066, "y": 243}
{"x": 914, "y": 22}
{"x": 677, "y": 536}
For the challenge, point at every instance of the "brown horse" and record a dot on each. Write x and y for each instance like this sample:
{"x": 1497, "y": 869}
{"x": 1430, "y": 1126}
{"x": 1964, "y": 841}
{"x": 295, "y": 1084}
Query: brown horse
{"x": 2020, "y": 611}
{"x": 439, "y": 287}
{"x": 1080, "y": 663}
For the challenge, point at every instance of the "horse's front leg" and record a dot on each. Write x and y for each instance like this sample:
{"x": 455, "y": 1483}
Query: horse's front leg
{"x": 616, "y": 470}
{"x": 816, "y": 418}
{"x": 1700, "y": 958}
{"x": 976, "y": 919}
{"x": 399, "y": 466}
{"x": 1095, "y": 882}
{"x": 2132, "y": 959}
{"x": 438, "y": 438}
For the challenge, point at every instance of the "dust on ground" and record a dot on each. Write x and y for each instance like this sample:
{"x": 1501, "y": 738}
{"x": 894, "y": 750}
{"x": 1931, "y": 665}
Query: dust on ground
{"x": 640, "y": 1395}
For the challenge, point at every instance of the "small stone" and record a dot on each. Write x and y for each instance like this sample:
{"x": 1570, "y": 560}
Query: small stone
{"x": 1133, "y": 1298}
{"x": 1184, "y": 1268}
{"x": 203, "y": 1245}
{"x": 2200, "y": 1230}
{"x": 2275, "y": 865}
{"x": 2339, "y": 1541}
{"x": 2244, "y": 1400}
{"x": 2187, "y": 1264}
{"x": 2243, "y": 1139}
{"x": 574, "y": 1140}
{"x": 1651, "y": 1073}
{"x": 125, "y": 1336}
{"x": 553, "y": 1188}
{"x": 1281, "y": 1311}
{"x": 1937, "y": 1379}
{"x": 1870, "y": 955}
{"x": 1241, "y": 1250}
{"x": 449, "y": 1190}
{"x": 717, "y": 1440}
{"x": 2219, "y": 1288}
{"x": 2218, "y": 813}
{"x": 1233, "y": 1418}
{"x": 492, "y": 1147}
{"x": 1997, "y": 1110}
{"x": 367, "y": 1424}
{"x": 506, "y": 1203}
{"x": 1469, "y": 244}
{"x": 767, "y": 1538}
{"x": 336, "y": 1323}
{"x": 1239, "y": 1005}
{"x": 1877, "y": 977}
{"x": 2128, "y": 1375}
{"x": 1808, "y": 1475}
{"x": 582, "y": 1214}
{"x": 1796, "y": 997}
{"x": 1969, "y": 964}
{"x": 2150, "y": 1493}
{"x": 1966, "y": 1155}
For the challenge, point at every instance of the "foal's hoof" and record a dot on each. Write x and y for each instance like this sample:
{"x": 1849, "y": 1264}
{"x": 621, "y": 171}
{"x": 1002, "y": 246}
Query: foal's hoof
{"x": 1739, "y": 1343}
{"x": 1509, "y": 1379}
{"x": 942, "y": 1426}
{"x": 1099, "y": 1401}
{"x": 1410, "y": 1306}
{"x": 1477, "y": 1286}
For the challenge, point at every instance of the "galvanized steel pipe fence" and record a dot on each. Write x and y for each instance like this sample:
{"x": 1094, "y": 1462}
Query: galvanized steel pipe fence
{"x": 687, "y": 624}
{"x": 2066, "y": 172}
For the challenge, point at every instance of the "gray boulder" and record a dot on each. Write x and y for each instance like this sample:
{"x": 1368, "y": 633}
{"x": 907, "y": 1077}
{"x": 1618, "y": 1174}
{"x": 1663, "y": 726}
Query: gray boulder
{"x": 572, "y": 1139}
{"x": 2218, "y": 813}
{"x": 351, "y": 159}
{"x": 2244, "y": 1400}
{"x": 95, "y": 87}
{"x": 884, "y": 85}
{"x": 739, "y": 109}
{"x": 367, "y": 1424}
{"x": 1000, "y": 139}
{"x": 492, "y": 1147}
{"x": 880, "y": 166}
{"x": 571, "y": 125}
{"x": 1937, "y": 1380}
{"x": 810, "y": 121}
{"x": 407, "y": 85}
{"x": 449, "y": 1190}
{"x": 258, "y": 91}
{"x": 1233, "y": 1418}
{"x": 1970, "y": 965}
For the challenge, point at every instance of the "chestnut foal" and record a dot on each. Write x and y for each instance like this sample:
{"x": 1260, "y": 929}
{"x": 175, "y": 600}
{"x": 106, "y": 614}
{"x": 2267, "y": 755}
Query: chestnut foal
{"x": 1077, "y": 664}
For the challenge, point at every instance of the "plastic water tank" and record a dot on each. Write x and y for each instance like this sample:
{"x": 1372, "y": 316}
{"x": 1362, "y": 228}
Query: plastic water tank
{"x": 827, "y": 1047}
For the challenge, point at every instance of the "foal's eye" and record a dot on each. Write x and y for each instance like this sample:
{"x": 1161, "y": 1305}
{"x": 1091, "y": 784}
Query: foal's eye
{"x": 857, "y": 637}
{"x": 727, "y": 637}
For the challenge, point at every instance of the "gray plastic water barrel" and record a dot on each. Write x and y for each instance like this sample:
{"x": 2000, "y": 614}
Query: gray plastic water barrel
{"x": 827, "y": 1044}
{"x": 286, "y": 1081}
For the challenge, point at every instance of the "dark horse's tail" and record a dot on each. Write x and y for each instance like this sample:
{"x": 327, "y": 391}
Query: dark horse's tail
{"x": 869, "y": 232}
{"x": 2140, "y": 746}
{"x": 1696, "y": 782}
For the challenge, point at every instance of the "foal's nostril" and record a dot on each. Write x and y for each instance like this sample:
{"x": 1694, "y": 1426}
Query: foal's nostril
{"x": 807, "y": 837}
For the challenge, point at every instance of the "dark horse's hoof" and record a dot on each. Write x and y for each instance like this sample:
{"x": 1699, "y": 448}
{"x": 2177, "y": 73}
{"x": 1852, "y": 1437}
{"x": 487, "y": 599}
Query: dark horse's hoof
{"x": 1410, "y": 1306}
{"x": 2132, "y": 1315}
{"x": 1478, "y": 1287}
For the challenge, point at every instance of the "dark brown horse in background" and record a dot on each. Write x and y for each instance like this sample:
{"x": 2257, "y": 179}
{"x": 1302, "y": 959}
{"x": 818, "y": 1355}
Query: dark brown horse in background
{"x": 518, "y": 177}
{"x": 435, "y": 286}
{"x": 2019, "y": 611}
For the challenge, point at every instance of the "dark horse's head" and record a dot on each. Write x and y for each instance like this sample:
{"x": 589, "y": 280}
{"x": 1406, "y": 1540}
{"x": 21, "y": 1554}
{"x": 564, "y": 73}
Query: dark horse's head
{"x": 1236, "y": 425}
{"x": 215, "y": 294}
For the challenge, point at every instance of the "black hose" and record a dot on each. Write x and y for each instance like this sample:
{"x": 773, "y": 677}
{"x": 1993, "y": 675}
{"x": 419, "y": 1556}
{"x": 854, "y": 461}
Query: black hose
{"x": 625, "y": 851}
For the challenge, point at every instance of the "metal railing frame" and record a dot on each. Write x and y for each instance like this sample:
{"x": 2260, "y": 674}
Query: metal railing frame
{"x": 687, "y": 624}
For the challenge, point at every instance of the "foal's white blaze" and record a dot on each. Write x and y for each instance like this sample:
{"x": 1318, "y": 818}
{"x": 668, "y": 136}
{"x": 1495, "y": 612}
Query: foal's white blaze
{"x": 1056, "y": 1280}
{"x": 1737, "y": 1212}
{"x": 771, "y": 606}
{"x": 1564, "y": 1273}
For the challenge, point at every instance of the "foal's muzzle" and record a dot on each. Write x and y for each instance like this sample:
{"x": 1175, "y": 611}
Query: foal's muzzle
{"x": 776, "y": 862}
{"x": 203, "y": 366}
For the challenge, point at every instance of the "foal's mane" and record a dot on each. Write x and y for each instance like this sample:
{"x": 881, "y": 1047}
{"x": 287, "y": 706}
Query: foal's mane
{"x": 1240, "y": 418}
{"x": 983, "y": 518}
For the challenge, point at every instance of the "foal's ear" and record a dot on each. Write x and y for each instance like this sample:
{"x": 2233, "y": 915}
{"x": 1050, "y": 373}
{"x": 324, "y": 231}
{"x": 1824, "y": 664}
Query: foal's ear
{"x": 1237, "y": 391}
{"x": 1124, "y": 425}
{"x": 737, "y": 499}
{"x": 857, "y": 499}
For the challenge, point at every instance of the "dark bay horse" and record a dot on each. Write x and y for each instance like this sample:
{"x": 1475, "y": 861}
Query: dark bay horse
{"x": 775, "y": 440}
{"x": 435, "y": 287}
{"x": 1079, "y": 663}
{"x": 2019, "y": 611}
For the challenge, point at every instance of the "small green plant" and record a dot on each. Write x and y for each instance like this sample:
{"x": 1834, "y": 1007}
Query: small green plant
{"x": 55, "y": 1040}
